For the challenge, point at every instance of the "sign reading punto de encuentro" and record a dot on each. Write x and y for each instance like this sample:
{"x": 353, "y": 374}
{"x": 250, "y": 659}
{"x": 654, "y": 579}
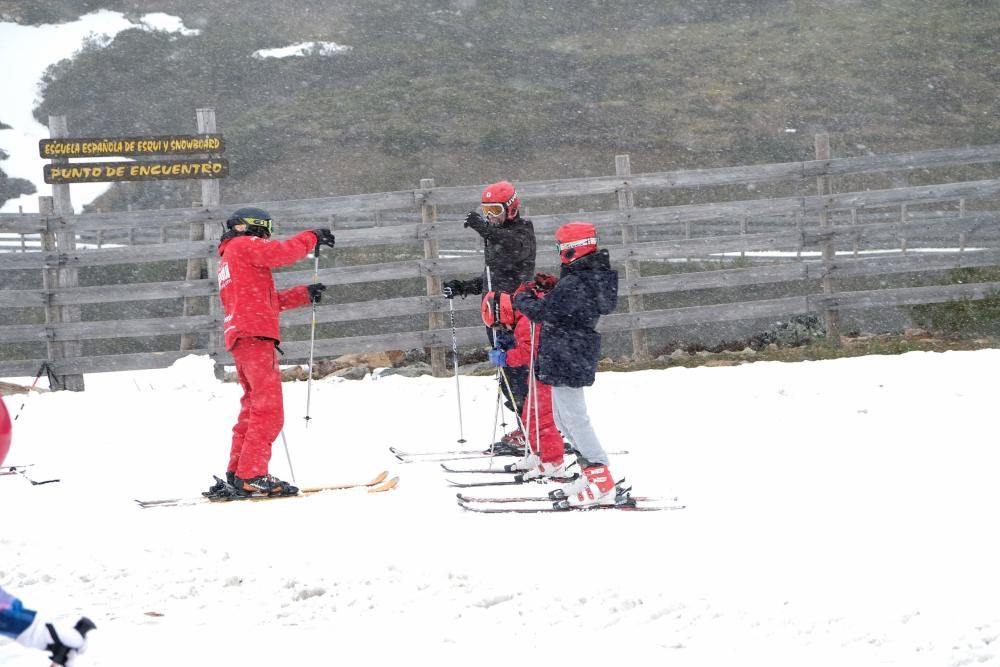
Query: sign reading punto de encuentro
{"x": 146, "y": 170}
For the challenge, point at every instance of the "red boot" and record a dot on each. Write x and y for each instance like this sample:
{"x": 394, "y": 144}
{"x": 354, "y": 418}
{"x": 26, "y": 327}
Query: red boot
{"x": 600, "y": 488}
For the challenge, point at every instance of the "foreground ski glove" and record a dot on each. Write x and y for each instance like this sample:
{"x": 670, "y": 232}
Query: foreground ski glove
{"x": 316, "y": 292}
{"x": 324, "y": 237}
{"x": 476, "y": 222}
{"x": 453, "y": 288}
{"x": 63, "y": 640}
{"x": 498, "y": 358}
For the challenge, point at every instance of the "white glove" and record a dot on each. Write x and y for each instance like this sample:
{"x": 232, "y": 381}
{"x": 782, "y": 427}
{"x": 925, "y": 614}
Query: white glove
{"x": 40, "y": 635}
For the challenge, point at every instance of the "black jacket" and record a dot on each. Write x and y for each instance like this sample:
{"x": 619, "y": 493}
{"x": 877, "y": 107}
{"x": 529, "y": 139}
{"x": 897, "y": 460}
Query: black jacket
{"x": 569, "y": 345}
{"x": 510, "y": 256}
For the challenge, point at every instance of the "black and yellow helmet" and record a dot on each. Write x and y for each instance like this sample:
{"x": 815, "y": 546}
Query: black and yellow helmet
{"x": 257, "y": 220}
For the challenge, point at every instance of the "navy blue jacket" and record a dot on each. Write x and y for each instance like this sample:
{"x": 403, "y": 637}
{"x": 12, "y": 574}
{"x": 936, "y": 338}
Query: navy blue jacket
{"x": 569, "y": 346}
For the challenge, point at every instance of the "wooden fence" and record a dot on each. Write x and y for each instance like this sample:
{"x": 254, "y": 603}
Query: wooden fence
{"x": 836, "y": 227}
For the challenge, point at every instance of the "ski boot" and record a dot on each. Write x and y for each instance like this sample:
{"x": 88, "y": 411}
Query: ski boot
{"x": 544, "y": 471}
{"x": 521, "y": 465}
{"x": 511, "y": 444}
{"x": 598, "y": 486}
{"x": 263, "y": 485}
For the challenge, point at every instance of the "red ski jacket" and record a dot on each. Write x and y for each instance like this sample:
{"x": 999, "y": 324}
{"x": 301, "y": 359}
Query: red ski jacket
{"x": 520, "y": 354}
{"x": 246, "y": 286}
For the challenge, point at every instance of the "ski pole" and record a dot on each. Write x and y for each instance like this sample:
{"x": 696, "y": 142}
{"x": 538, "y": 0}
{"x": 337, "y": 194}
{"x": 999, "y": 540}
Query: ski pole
{"x": 513, "y": 401}
{"x": 533, "y": 387}
{"x": 41, "y": 369}
{"x": 496, "y": 419}
{"x": 454, "y": 354}
{"x": 312, "y": 344}
{"x": 493, "y": 339}
{"x": 288, "y": 454}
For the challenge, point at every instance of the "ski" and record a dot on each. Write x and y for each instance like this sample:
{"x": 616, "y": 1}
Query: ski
{"x": 540, "y": 499}
{"x": 458, "y": 457}
{"x": 14, "y": 470}
{"x": 443, "y": 452}
{"x": 23, "y": 472}
{"x": 492, "y": 471}
{"x": 469, "y": 485}
{"x": 387, "y": 485}
{"x": 549, "y": 506}
{"x": 377, "y": 484}
{"x": 481, "y": 471}
{"x": 498, "y": 450}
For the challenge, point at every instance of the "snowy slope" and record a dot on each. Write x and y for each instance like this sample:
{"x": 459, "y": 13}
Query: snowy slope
{"x": 839, "y": 513}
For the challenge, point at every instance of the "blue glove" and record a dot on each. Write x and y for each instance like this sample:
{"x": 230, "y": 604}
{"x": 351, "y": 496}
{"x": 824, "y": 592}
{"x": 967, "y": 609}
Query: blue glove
{"x": 498, "y": 358}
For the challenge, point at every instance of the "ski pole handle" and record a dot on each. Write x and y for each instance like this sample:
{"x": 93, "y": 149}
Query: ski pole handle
{"x": 61, "y": 653}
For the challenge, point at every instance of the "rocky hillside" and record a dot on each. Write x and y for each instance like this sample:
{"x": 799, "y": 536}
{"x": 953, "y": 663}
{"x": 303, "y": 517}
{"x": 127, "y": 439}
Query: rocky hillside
{"x": 468, "y": 91}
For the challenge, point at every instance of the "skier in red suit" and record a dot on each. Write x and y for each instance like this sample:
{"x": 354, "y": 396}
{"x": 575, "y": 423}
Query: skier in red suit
{"x": 544, "y": 457}
{"x": 252, "y": 305}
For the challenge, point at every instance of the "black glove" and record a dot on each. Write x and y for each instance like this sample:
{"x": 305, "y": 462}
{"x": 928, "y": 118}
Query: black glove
{"x": 453, "y": 288}
{"x": 474, "y": 220}
{"x": 324, "y": 237}
{"x": 316, "y": 291}
{"x": 504, "y": 340}
{"x": 478, "y": 224}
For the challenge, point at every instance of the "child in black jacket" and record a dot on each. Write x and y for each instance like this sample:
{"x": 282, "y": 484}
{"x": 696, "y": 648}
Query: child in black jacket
{"x": 569, "y": 347}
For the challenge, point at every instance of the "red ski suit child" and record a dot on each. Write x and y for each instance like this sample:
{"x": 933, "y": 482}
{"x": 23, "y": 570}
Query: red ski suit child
{"x": 252, "y": 304}
{"x": 548, "y": 442}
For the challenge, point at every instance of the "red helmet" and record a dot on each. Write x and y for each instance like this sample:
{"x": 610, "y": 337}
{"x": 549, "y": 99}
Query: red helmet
{"x": 498, "y": 308}
{"x": 576, "y": 239}
{"x": 5, "y": 431}
{"x": 500, "y": 198}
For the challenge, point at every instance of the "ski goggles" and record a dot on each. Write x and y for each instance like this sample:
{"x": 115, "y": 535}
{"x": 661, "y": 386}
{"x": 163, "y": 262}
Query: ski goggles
{"x": 561, "y": 247}
{"x": 496, "y": 210}
{"x": 266, "y": 223}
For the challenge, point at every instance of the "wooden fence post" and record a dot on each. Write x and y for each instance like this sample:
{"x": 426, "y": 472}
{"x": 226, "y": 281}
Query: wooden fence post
{"x": 630, "y": 234}
{"x": 428, "y": 216}
{"x": 831, "y": 316}
{"x": 66, "y": 243}
{"x": 211, "y": 197}
{"x": 50, "y": 277}
{"x": 196, "y": 232}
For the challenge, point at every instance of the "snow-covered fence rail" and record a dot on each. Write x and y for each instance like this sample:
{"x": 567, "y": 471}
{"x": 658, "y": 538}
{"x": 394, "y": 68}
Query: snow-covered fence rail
{"x": 902, "y": 218}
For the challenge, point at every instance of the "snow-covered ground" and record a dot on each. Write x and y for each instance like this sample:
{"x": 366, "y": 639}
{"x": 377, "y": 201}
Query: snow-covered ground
{"x": 838, "y": 513}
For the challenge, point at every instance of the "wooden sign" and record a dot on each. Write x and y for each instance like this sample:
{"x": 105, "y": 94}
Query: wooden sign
{"x": 51, "y": 149}
{"x": 97, "y": 172}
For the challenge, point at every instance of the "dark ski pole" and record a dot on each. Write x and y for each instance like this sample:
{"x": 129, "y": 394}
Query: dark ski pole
{"x": 454, "y": 355}
{"x": 41, "y": 369}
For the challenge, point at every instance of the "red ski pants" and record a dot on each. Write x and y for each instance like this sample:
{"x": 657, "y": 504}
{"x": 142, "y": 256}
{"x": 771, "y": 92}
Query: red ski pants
{"x": 261, "y": 411}
{"x": 551, "y": 449}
